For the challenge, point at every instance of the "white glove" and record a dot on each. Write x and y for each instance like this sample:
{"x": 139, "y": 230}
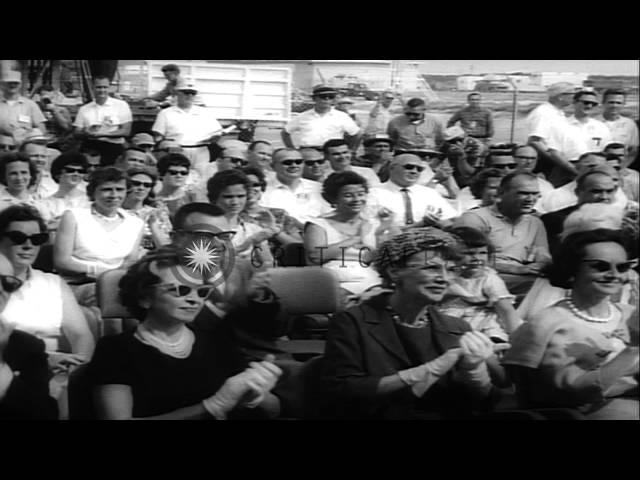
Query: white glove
{"x": 263, "y": 377}
{"x": 421, "y": 378}
{"x": 477, "y": 348}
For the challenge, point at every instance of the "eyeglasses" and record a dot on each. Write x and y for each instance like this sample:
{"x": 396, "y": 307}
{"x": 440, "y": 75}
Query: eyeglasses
{"x": 412, "y": 114}
{"x": 288, "y": 163}
{"x": 257, "y": 185}
{"x": 326, "y": 97}
{"x": 18, "y": 238}
{"x": 505, "y": 165}
{"x": 240, "y": 161}
{"x": 7, "y": 148}
{"x": 184, "y": 173}
{"x": 311, "y": 163}
{"x": 188, "y": 92}
{"x": 602, "y": 266}
{"x": 224, "y": 236}
{"x": 10, "y": 283}
{"x": 183, "y": 290}
{"x": 522, "y": 157}
{"x": 136, "y": 183}
{"x": 70, "y": 170}
{"x": 587, "y": 103}
{"x": 411, "y": 166}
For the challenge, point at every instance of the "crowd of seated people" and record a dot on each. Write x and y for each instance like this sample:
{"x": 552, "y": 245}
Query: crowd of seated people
{"x": 464, "y": 275}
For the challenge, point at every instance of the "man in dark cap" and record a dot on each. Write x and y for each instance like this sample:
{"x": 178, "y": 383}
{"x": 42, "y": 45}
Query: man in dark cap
{"x": 314, "y": 127}
{"x": 164, "y": 97}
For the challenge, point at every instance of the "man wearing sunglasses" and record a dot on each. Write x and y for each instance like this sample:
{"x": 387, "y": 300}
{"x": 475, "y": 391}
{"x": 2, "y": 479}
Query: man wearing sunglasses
{"x": 413, "y": 205}
{"x": 316, "y": 166}
{"x": 415, "y": 129}
{"x": 623, "y": 129}
{"x": 24, "y": 371}
{"x": 7, "y": 144}
{"x": 193, "y": 126}
{"x": 299, "y": 197}
{"x": 323, "y": 122}
{"x": 596, "y": 134}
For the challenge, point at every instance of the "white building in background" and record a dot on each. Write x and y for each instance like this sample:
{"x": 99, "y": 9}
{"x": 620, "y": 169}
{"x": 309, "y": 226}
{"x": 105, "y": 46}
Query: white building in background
{"x": 467, "y": 83}
{"x": 544, "y": 79}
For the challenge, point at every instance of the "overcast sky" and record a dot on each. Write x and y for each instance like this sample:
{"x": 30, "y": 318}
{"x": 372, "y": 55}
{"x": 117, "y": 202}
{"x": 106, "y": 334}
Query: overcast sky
{"x": 594, "y": 67}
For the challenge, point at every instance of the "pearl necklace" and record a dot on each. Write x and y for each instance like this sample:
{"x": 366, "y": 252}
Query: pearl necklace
{"x": 578, "y": 313}
{"x": 181, "y": 348}
{"x": 421, "y": 321}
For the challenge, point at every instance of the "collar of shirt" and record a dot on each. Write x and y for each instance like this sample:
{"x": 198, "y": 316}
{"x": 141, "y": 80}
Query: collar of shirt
{"x": 394, "y": 187}
{"x": 303, "y": 185}
{"x": 20, "y": 99}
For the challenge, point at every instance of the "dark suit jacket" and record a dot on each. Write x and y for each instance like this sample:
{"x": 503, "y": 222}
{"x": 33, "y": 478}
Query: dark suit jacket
{"x": 553, "y": 224}
{"x": 362, "y": 347}
{"x": 28, "y": 395}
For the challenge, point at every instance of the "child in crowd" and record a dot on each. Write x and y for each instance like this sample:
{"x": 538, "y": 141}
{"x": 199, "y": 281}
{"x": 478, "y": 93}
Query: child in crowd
{"x": 478, "y": 294}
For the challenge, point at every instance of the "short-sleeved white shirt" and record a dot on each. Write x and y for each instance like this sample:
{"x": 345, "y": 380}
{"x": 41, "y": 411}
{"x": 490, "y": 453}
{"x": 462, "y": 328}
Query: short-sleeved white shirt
{"x": 549, "y": 123}
{"x": 110, "y": 115}
{"x": 565, "y": 196}
{"x": 596, "y": 134}
{"x": 302, "y": 203}
{"x": 313, "y": 129}
{"x": 187, "y": 127}
{"x": 623, "y": 130}
{"x": 424, "y": 200}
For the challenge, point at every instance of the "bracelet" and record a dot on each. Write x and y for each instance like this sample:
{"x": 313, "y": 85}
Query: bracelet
{"x": 213, "y": 408}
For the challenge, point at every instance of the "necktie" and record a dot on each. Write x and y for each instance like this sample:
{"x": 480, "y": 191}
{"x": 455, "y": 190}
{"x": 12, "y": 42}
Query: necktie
{"x": 408, "y": 212}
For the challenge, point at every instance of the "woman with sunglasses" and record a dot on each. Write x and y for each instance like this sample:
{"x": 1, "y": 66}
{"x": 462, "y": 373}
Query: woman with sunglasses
{"x": 44, "y": 305}
{"x": 140, "y": 202}
{"x": 395, "y": 355}
{"x": 288, "y": 229}
{"x": 68, "y": 171}
{"x": 173, "y": 170}
{"x": 229, "y": 190}
{"x": 24, "y": 377}
{"x": 578, "y": 353}
{"x": 168, "y": 368}
{"x": 18, "y": 174}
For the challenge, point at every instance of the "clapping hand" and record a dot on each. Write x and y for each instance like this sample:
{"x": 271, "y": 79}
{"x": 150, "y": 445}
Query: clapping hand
{"x": 261, "y": 378}
{"x": 64, "y": 362}
{"x": 477, "y": 348}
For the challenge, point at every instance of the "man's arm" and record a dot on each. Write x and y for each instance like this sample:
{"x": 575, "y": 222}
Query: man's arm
{"x": 454, "y": 118}
{"x": 490, "y": 128}
{"x": 558, "y": 159}
{"x": 286, "y": 139}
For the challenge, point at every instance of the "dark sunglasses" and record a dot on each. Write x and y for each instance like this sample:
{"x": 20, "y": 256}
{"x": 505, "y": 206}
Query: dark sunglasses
{"x": 189, "y": 92}
{"x": 136, "y": 183}
{"x": 184, "y": 173}
{"x": 288, "y": 163}
{"x": 241, "y": 161}
{"x": 183, "y": 290}
{"x": 257, "y": 185}
{"x": 587, "y": 103}
{"x": 18, "y": 238}
{"x": 326, "y": 97}
{"x": 505, "y": 165}
{"x": 10, "y": 283}
{"x": 224, "y": 236}
{"x": 602, "y": 266}
{"x": 311, "y": 163}
{"x": 78, "y": 170}
{"x": 412, "y": 114}
{"x": 413, "y": 167}
{"x": 8, "y": 148}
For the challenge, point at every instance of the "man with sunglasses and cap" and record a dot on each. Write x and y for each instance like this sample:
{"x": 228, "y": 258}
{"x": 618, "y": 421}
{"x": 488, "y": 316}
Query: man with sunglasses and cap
{"x": 18, "y": 114}
{"x": 413, "y": 205}
{"x": 596, "y": 134}
{"x": 323, "y": 122}
{"x": 194, "y": 127}
{"x": 415, "y": 128}
{"x": 24, "y": 370}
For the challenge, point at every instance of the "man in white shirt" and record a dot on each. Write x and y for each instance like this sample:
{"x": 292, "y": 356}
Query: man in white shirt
{"x": 380, "y": 116}
{"x": 623, "y": 129}
{"x": 18, "y": 115}
{"x": 565, "y": 196}
{"x": 412, "y": 205}
{"x": 556, "y": 142}
{"x": 321, "y": 123}
{"x": 192, "y": 126}
{"x": 596, "y": 134}
{"x": 337, "y": 152}
{"x": 106, "y": 120}
{"x": 299, "y": 197}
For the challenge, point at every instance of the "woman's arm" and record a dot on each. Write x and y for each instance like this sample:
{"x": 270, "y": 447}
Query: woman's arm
{"x": 134, "y": 255}
{"x": 507, "y": 314}
{"x": 315, "y": 245}
{"x": 74, "y": 325}
{"x": 65, "y": 244}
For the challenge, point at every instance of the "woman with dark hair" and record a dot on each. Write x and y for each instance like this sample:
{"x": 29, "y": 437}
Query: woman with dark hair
{"x": 44, "y": 305}
{"x": 174, "y": 170}
{"x": 167, "y": 368}
{"x": 344, "y": 239}
{"x": 578, "y": 352}
{"x": 229, "y": 190}
{"x": 395, "y": 356}
{"x": 68, "y": 171}
{"x": 17, "y": 173}
{"x": 140, "y": 202}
